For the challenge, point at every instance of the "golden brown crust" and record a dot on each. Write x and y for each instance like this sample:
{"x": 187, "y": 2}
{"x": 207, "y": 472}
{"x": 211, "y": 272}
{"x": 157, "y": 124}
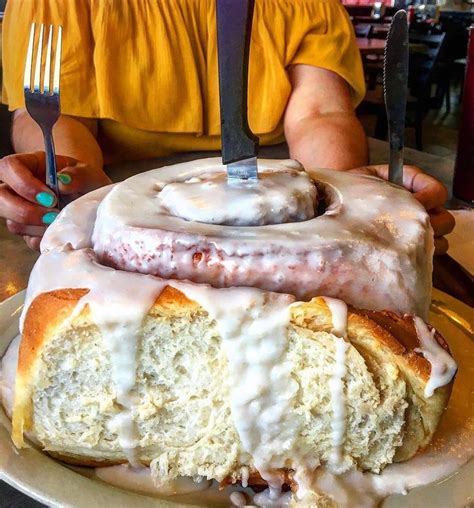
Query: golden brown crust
{"x": 402, "y": 328}
{"x": 46, "y": 312}
{"x": 171, "y": 297}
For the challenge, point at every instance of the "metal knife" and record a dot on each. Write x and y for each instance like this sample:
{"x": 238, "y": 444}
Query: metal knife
{"x": 239, "y": 145}
{"x": 395, "y": 85}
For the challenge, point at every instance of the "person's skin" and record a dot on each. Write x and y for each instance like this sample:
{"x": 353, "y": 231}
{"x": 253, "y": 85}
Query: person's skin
{"x": 23, "y": 173}
{"x": 320, "y": 127}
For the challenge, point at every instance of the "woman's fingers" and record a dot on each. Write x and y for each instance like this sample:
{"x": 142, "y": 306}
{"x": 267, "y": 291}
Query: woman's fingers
{"x": 441, "y": 246}
{"x": 20, "y": 210}
{"x": 33, "y": 242}
{"x": 429, "y": 191}
{"x": 80, "y": 179}
{"x": 18, "y": 170}
{"x": 25, "y": 229}
{"x": 25, "y": 175}
{"x": 441, "y": 221}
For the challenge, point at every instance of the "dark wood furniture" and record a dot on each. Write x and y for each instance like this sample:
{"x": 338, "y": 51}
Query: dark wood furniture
{"x": 464, "y": 167}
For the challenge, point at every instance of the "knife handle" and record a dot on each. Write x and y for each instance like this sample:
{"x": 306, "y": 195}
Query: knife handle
{"x": 234, "y": 26}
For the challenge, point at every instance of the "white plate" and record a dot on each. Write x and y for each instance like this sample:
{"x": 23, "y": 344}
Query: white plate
{"x": 54, "y": 484}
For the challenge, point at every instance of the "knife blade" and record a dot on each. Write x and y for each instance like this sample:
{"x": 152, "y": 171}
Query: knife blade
{"x": 395, "y": 85}
{"x": 239, "y": 144}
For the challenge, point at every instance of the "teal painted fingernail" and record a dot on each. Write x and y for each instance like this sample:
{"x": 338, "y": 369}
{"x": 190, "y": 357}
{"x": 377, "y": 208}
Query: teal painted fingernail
{"x": 64, "y": 178}
{"x": 49, "y": 217}
{"x": 45, "y": 199}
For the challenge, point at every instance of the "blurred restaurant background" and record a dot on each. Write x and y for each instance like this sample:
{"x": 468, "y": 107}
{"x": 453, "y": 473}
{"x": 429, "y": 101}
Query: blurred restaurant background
{"x": 439, "y": 32}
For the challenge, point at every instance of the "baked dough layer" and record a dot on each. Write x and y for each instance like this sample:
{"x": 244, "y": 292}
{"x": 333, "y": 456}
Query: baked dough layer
{"x": 65, "y": 395}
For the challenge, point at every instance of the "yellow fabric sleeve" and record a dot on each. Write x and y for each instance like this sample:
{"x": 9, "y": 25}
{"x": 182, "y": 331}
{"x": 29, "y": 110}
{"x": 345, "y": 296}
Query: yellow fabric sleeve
{"x": 328, "y": 41}
{"x": 152, "y": 64}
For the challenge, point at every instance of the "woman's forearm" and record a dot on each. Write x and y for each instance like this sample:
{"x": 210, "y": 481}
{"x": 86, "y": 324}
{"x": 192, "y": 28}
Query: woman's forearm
{"x": 72, "y": 137}
{"x": 335, "y": 141}
{"x": 320, "y": 124}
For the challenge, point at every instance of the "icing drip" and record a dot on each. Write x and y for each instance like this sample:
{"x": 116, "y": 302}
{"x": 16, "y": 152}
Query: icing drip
{"x": 253, "y": 326}
{"x": 338, "y": 310}
{"x": 338, "y": 402}
{"x": 275, "y": 198}
{"x": 443, "y": 366}
{"x": 238, "y": 499}
{"x": 451, "y": 448}
{"x": 244, "y": 476}
{"x": 270, "y": 499}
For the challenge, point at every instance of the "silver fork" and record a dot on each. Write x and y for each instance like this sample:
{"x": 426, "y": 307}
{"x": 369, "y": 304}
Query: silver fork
{"x": 42, "y": 102}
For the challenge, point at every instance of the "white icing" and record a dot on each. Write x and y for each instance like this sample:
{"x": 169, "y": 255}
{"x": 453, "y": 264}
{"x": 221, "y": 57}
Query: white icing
{"x": 338, "y": 403}
{"x": 445, "y": 455}
{"x": 244, "y": 476}
{"x": 274, "y": 198}
{"x": 451, "y": 448}
{"x": 371, "y": 227}
{"x": 252, "y": 324}
{"x": 454, "y": 441}
{"x": 338, "y": 310}
{"x": 272, "y": 499}
{"x": 75, "y": 223}
{"x": 238, "y": 499}
{"x": 443, "y": 366}
{"x": 116, "y": 310}
{"x": 8, "y": 375}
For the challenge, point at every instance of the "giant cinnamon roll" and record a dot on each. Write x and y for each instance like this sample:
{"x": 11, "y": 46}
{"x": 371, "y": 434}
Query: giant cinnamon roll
{"x": 190, "y": 324}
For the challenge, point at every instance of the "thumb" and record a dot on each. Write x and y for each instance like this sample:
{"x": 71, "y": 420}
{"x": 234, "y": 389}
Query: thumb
{"x": 72, "y": 180}
{"x": 80, "y": 179}
{"x": 64, "y": 161}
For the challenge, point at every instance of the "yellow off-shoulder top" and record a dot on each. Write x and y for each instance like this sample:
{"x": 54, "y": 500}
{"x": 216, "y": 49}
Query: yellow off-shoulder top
{"x": 148, "y": 68}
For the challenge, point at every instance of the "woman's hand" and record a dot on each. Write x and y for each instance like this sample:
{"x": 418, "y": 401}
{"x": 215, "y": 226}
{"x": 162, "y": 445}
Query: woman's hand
{"x": 431, "y": 193}
{"x": 27, "y": 204}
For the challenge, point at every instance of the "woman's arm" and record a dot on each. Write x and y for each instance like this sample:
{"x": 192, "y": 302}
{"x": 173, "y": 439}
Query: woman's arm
{"x": 72, "y": 136}
{"x": 321, "y": 127}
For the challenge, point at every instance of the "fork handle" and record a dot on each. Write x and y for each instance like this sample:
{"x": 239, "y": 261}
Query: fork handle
{"x": 51, "y": 168}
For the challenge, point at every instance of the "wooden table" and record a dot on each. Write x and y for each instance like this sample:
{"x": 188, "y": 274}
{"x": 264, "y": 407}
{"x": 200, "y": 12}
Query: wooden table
{"x": 16, "y": 260}
{"x": 371, "y": 46}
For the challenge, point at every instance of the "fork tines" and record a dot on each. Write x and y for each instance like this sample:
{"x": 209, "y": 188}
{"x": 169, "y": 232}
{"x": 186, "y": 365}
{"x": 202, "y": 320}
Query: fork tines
{"x": 37, "y": 81}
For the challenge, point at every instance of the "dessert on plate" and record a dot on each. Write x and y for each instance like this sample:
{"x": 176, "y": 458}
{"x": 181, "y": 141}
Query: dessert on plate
{"x": 250, "y": 333}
